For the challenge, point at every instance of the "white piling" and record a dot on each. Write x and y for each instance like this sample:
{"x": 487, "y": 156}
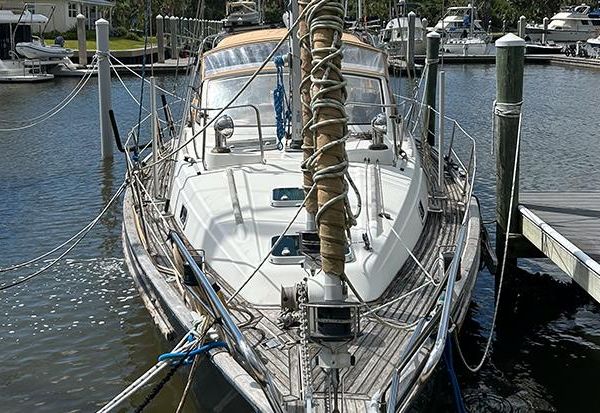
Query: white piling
{"x": 521, "y": 27}
{"x": 442, "y": 110}
{"x": 174, "y": 29}
{"x": 104, "y": 98}
{"x": 81, "y": 38}
{"x": 424, "y": 23}
{"x": 545, "y": 32}
{"x": 154, "y": 133}
{"x": 160, "y": 38}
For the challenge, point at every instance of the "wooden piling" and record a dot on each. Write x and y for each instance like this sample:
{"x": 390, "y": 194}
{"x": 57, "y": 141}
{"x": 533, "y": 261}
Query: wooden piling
{"x": 510, "y": 60}
{"x": 160, "y": 38}
{"x": 174, "y": 29}
{"x": 81, "y": 40}
{"x": 410, "y": 43}
{"x": 104, "y": 95}
{"x": 521, "y": 27}
{"x": 432, "y": 60}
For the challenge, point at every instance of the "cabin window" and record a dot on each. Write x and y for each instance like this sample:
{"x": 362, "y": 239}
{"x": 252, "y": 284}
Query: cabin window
{"x": 364, "y": 98}
{"x": 596, "y": 22}
{"x": 183, "y": 213}
{"x": 585, "y": 22}
{"x": 287, "y": 197}
{"x": 73, "y": 10}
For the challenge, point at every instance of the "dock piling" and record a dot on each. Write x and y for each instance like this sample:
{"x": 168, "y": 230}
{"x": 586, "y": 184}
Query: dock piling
{"x": 410, "y": 43}
{"x": 424, "y": 23}
{"x": 81, "y": 38}
{"x": 431, "y": 66}
{"x": 521, "y": 27}
{"x": 510, "y": 60}
{"x": 104, "y": 94}
{"x": 160, "y": 38}
{"x": 173, "y": 27}
{"x": 545, "y": 32}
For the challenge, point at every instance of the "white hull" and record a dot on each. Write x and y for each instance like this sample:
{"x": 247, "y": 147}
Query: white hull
{"x": 560, "y": 36}
{"x": 33, "y": 50}
{"x": 15, "y": 71}
{"x": 467, "y": 48}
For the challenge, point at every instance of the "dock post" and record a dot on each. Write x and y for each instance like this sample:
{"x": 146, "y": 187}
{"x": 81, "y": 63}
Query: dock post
{"x": 81, "y": 40}
{"x": 545, "y": 32}
{"x": 510, "y": 59}
{"x": 173, "y": 27}
{"x": 424, "y": 23}
{"x": 160, "y": 38}
{"x": 521, "y": 27}
{"x": 431, "y": 66}
{"x": 104, "y": 98}
{"x": 410, "y": 44}
{"x": 442, "y": 110}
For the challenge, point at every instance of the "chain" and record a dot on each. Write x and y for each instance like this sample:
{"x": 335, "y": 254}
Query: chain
{"x": 305, "y": 367}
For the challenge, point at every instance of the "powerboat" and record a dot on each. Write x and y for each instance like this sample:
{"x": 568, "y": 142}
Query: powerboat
{"x": 242, "y": 13}
{"x": 466, "y": 47}
{"x": 394, "y": 37}
{"x": 329, "y": 258}
{"x": 594, "y": 46}
{"x": 570, "y": 25}
{"x": 16, "y": 28}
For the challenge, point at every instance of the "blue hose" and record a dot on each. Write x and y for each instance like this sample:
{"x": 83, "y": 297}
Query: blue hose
{"x": 448, "y": 359}
{"x": 193, "y": 353}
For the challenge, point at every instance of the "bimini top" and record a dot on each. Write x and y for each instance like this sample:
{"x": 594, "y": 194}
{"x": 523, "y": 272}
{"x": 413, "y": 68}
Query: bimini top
{"x": 248, "y": 50}
{"x": 7, "y": 16}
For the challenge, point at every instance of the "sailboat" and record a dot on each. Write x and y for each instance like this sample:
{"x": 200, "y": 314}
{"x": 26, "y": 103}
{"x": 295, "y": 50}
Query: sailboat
{"x": 300, "y": 210}
{"x": 462, "y": 32}
{"x": 394, "y": 36}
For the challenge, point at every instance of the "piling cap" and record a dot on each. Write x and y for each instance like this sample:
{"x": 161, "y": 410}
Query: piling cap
{"x": 158, "y": 16}
{"x": 510, "y": 40}
{"x": 433, "y": 34}
{"x": 80, "y": 16}
{"x": 101, "y": 22}
{"x": 174, "y": 18}
{"x": 412, "y": 13}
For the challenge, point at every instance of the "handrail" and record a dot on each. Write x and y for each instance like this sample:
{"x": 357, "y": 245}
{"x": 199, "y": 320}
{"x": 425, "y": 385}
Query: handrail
{"x": 258, "y": 125}
{"x": 257, "y": 368}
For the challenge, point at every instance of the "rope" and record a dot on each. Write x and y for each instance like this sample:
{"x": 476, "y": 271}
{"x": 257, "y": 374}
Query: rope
{"x": 283, "y": 114}
{"x": 84, "y": 233}
{"x": 509, "y": 112}
{"x": 505, "y": 110}
{"x": 58, "y": 107}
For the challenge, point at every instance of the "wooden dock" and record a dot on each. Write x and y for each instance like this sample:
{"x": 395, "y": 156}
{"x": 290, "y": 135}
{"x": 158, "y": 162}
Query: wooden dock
{"x": 565, "y": 227}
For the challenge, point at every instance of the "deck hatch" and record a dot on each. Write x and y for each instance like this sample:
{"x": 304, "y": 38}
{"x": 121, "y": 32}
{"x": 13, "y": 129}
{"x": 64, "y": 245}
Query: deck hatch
{"x": 287, "y": 197}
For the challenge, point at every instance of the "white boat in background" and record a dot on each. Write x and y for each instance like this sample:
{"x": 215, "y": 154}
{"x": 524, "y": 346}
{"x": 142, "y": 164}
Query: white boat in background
{"x": 37, "y": 50}
{"x": 594, "y": 47}
{"x": 467, "y": 47}
{"x": 16, "y": 28}
{"x": 394, "y": 36}
{"x": 462, "y": 33}
{"x": 570, "y": 25}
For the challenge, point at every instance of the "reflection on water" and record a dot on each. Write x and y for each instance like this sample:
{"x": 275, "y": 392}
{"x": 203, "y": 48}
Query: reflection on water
{"x": 74, "y": 337}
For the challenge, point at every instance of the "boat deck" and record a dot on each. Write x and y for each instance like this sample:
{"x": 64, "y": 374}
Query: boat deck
{"x": 384, "y": 334}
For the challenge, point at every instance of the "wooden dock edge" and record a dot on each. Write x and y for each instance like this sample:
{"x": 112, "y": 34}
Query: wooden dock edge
{"x": 568, "y": 257}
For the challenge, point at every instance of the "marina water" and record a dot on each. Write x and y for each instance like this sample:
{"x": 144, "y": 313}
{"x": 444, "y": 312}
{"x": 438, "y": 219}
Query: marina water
{"x": 78, "y": 334}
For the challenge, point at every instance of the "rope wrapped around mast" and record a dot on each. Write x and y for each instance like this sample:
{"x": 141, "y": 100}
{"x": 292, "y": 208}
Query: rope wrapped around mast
{"x": 328, "y": 163}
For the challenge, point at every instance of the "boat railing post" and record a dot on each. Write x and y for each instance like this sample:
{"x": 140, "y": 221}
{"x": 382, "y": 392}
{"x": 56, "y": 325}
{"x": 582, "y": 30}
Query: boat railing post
{"x": 441, "y": 108}
{"x": 160, "y": 38}
{"x": 410, "y": 44}
{"x": 104, "y": 94}
{"x": 81, "y": 40}
{"x": 545, "y": 32}
{"x": 451, "y": 143}
{"x": 154, "y": 132}
{"x": 510, "y": 57}
{"x": 521, "y": 27}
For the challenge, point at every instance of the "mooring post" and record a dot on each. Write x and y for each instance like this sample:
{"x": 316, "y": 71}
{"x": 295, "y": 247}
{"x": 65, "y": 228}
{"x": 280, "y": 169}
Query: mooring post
{"x": 442, "y": 110}
{"x": 545, "y": 32}
{"x": 431, "y": 65}
{"x": 410, "y": 43}
{"x": 81, "y": 40}
{"x": 160, "y": 38}
{"x": 424, "y": 23}
{"x": 173, "y": 27}
{"x": 521, "y": 27}
{"x": 510, "y": 59}
{"x": 104, "y": 97}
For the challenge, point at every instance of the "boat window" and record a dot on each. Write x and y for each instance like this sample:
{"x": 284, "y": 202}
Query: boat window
{"x": 364, "y": 94}
{"x": 585, "y": 22}
{"x": 286, "y": 197}
{"x": 252, "y": 55}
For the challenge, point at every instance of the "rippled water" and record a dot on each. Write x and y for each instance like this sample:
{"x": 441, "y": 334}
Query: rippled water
{"x": 75, "y": 336}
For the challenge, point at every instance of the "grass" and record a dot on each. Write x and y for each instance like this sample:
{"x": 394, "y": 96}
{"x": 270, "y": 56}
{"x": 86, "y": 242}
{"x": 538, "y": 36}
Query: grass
{"x": 115, "y": 44}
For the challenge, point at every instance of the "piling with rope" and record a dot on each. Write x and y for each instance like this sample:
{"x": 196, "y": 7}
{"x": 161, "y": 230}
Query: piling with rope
{"x": 104, "y": 94}
{"x": 510, "y": 60}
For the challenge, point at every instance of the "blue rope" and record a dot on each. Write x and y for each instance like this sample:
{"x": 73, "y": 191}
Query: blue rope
{"x": 283, "y": 114}
{"x": 189, "y": 356}
{"x": 448, "y": 359}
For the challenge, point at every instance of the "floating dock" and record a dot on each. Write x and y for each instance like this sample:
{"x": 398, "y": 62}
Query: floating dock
{"x": 565, "y": 227}
{"x": 169, "y": 66}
